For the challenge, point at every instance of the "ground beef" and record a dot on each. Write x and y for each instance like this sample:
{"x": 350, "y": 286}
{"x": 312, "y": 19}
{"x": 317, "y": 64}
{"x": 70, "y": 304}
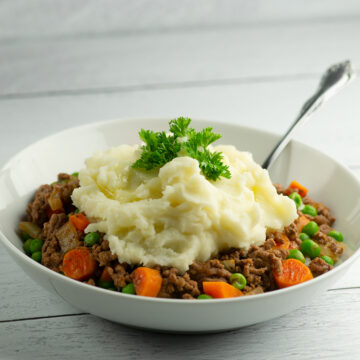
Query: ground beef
{"x": 37, "y": 210}
{"x": 324, "y": 216}
{"x": 66, "y": 184}
{"x": 175, "y": 285}
{"x": 211, "y": 270}
{"x": 51, "y": 252}
{"x": 102, "y": 253}
{"x": 322, "y": 239}
{"x": 319, "y": 266}
{"x": 324, "y": 228}
{"x": 279, "y": 188}
{"x": 121, "y": 274}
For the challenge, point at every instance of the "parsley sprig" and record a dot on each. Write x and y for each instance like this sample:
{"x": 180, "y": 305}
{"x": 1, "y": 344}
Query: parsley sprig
{"x": 160, "y": 148}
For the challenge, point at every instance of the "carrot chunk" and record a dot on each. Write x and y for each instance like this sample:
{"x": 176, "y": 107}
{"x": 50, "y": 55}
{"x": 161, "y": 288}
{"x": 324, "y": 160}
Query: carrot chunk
{"x": 293, "y": 272}
{"x": 300, "y": 222}
{"x": 302, "y": 190}
{"x": 80, "y": 221}
{"x": 78, "y": 264}
{"x": 105, "y": 275}
{"x": 285, "y": 244}
{"x": 220, "y": 289}
{"x": 147, "y": 282}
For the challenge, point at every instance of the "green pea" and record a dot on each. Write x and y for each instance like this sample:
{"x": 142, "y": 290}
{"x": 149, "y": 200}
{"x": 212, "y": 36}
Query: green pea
{"x": 36, "y": 256}
{"x": 303, "y": 236}
{"x": 328, "y": 259}
{"x": 204, "y": 297}
{"x": 310, "y": 228}
{"x": 310, "y": 210}
{"x": 296, "y": 254}
{"x": 129, "y": 289}
{"x": 35, "y": 245}
{"x": 106, "y": 284}
{"x": 297, "y": 199}
{"x": 27, "y": 246}
{"x": 337, "y": 235}
{"x": 76, "y": 211}
{"x": 76, "y": 174}
{"x": 310, "y": 248}
{"x": 91, "y": 238}
{"x": 25, "y": 236}
{"x": 238, "y": 280}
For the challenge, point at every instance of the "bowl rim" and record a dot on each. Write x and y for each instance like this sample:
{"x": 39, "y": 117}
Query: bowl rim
{"x": 39, "y": 267}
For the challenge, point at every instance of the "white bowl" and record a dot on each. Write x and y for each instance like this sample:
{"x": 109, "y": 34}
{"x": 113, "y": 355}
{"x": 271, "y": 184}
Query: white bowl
{"x": 328, "y": 181}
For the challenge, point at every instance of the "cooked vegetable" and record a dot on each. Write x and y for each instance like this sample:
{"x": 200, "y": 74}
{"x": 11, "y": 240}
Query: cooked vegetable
{"x": 35, "y": 245}
{"x": 106, "y": 284}
{"x": 129, "y": 289}
{"x": 24, "y": 236}
{"x": 161, "y": 148}
{"x": 30, "y": 228}
{"x": 337, "y": 235}
{"x": 75, "y": 174}
{"x": 293, "y": 272}
{"x": 285, "y": 244}
{"x": 204, "y": 297}
{"x": 78, "y": 264}
{"x": 37, "y": 256}
{"x": 238, "y": 280}
{"x": 310, "y": 228}
{"x": 328, "y": 259}
{"x": 27, "y": 246}
{"x": 54, "y": 200}
{"x": 300, "y": 222}
{"x": 105, "y": 275}
{"x": 303, "y": 236}
{"x": 297, "y": 199}
{"x": 229, "y": 264}
{"x": 68, "y": 237}
{"x": 147, "y": 282}
{"x": 309, "y": 210}
{"x": 310, "y": 248}
{"x": 80, "y": 221}
{"x": 220, "y": 290}
{"x": 92, "y": 238}
{"x": 296, "y": 254}
{"x": 302, "y": 190}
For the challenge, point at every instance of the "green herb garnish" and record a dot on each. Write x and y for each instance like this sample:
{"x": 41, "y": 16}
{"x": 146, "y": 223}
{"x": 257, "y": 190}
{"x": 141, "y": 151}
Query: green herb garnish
{"x": 161, "y": 148}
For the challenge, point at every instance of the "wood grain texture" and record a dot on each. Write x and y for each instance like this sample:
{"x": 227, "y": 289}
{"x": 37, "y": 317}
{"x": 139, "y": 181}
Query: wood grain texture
{"x": 268, "y": 106}
{"x": 44, "y": 18}
{"x": 223, "y": 56}
{"x": 320, "y": 329}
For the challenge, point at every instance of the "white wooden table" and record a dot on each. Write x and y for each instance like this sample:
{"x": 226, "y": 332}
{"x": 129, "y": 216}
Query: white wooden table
{"x": 248, "y": 62}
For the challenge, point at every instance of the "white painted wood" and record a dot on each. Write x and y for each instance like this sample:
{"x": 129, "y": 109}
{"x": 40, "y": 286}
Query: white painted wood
{"x": 21, "y": 297}
{"x": 248, "y": 54}
{"x": 269, "y": 106}
{"x": 326, "y": 327}
{"x": 44, "y": 18}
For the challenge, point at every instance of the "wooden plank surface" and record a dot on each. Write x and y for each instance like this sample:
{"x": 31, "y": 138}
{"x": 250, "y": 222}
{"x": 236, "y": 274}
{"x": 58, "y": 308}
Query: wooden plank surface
{"x": 44, "y": 18}
{"x": 218, "y": 56}
{"x": 322, "y": 329}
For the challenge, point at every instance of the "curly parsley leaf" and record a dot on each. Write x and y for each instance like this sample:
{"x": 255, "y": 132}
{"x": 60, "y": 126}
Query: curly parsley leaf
{"x": 161, "y": 148}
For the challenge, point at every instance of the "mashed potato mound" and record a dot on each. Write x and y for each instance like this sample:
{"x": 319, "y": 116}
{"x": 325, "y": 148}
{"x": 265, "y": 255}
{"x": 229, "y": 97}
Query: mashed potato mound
{"x": 174, "y": 215}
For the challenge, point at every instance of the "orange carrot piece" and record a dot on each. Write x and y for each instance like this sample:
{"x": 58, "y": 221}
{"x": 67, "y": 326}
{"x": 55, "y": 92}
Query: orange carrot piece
{"x": 300, "y": 222}
{"x": 80, "y": 221}
{"x": 220, "y": 290}
{"x": 78, "y": 264}
{"x": 105, "y": 275}
{"x": 293, "y": 272}
{"x": 147, "y": 282}
{"x": 285, "y": 244}
{"x": 302, "y": 190}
